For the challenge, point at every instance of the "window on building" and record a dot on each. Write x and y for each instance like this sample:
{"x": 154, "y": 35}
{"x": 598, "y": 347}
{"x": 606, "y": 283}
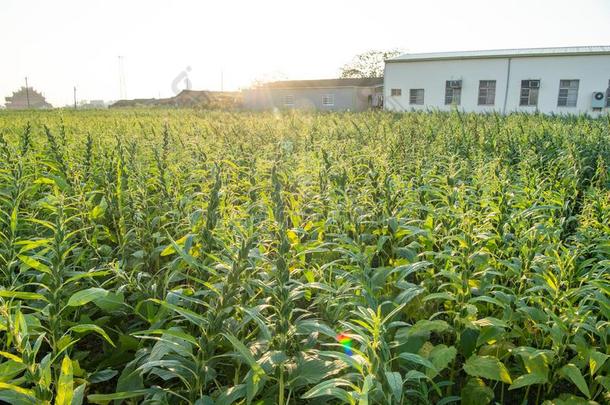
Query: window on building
{"x": 289, "y": 100}
{"x": 529, "y": 92}
{"x": 453, "y": 92}
{"x": 396, "y": 92}
{"x": 568, "y": 93}
{"x": 608, "y": 95}
{"x": 487, "y": 92}
{"x": 416, "y": 96}
{"x": 328, "y": 99}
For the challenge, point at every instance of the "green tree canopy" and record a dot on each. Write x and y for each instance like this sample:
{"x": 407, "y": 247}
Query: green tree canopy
{"x": 368, "y": 64}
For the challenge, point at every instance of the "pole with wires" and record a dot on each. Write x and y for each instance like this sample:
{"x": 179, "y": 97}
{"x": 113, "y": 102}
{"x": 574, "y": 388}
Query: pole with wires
{"x": 27, "y": 92}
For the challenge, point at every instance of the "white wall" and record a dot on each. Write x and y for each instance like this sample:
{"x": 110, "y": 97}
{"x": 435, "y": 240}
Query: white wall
{"x": 593, "y": 72}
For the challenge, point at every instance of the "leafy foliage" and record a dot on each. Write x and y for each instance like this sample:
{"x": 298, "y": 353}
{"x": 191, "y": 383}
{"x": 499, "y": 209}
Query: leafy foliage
{"x": 190, "y": 257}
{"x": 368, "y": 64}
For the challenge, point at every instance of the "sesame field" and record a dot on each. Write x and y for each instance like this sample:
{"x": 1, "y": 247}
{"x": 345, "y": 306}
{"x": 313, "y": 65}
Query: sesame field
{"x": 215, "y": 258}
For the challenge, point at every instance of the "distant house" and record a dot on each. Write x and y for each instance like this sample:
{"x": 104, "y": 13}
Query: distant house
{"x": 322, "y": 95}
{"x": 207, "y": 99}
{"x": 187, "y": 98}
{"x": 25, "y": 98}
{"x": 92, "y": 104}
{"x": 568, "y": 80}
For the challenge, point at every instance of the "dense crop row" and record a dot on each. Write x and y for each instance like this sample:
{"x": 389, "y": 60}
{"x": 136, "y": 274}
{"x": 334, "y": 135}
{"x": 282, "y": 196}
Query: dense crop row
{"x": 212, "y": 258}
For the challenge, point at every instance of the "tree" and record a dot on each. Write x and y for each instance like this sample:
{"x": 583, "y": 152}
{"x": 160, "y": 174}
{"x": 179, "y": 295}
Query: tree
{"x": 268, "y": 78}
{"x": 368, "y": 64}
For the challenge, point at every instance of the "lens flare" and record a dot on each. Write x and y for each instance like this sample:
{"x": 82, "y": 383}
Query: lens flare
{"x": 346, "y": 342}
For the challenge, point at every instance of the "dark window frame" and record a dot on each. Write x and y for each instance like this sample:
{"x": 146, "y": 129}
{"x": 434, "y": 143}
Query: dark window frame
{"x": 416, "y": 96}
{"x": 528, "y": 96}
{"x": 395, "y": 92}
{"x": 487, "y": 92}
{"x": 287, "y": 97}
{"x": 329, "y": 96}
{"x": 568, "y": 93}
{"x": 453, "y": 95}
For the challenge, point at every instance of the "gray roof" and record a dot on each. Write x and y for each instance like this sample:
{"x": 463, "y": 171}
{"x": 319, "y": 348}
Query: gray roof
{"x": 503, "y": 53}
{"x": 352, "y": 82}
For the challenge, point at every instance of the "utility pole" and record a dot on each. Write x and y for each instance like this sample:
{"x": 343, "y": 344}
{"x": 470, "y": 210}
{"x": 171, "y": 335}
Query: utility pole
{"x": 27, "y": 92}
{"x": 122, "y": 84}
{"x": 75, "y": 97}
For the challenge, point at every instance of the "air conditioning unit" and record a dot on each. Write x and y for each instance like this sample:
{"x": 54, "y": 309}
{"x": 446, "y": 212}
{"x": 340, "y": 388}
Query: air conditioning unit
{"x": 530, "y": 84}
{"x": 598, "y": 100}
{"x": 455, "y": 84}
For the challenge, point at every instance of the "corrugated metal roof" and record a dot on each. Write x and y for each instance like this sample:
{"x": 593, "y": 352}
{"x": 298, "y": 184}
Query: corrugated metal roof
{"x": 504, "y": 53}
{"x": 352, "y": 82}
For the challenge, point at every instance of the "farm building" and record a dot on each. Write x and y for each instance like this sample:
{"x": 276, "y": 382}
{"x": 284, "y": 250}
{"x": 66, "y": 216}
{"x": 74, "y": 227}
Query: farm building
{"x": 354, "y": 94}
{"x": 187, "y": 98}
{"x": 549, "y": 80}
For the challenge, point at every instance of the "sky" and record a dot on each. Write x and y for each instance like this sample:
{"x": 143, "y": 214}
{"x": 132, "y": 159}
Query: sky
{"x": 230, "y": 44}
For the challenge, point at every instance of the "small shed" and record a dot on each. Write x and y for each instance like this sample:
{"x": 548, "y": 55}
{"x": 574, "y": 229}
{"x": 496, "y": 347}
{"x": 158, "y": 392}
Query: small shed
{"x": 352, "y": 94}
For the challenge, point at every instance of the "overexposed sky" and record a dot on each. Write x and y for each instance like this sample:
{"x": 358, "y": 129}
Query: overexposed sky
{"x": 62, "y": 43}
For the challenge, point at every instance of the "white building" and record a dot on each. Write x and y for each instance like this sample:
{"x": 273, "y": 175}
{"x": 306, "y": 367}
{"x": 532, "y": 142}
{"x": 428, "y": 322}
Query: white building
{"x": 550, "y": 80}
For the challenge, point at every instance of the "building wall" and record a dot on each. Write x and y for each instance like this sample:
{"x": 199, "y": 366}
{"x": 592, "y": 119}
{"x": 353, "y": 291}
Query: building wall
{"x": 362, "y": 97}
{"x": 346, "y": 98}
{"x": 593, "y": 72}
